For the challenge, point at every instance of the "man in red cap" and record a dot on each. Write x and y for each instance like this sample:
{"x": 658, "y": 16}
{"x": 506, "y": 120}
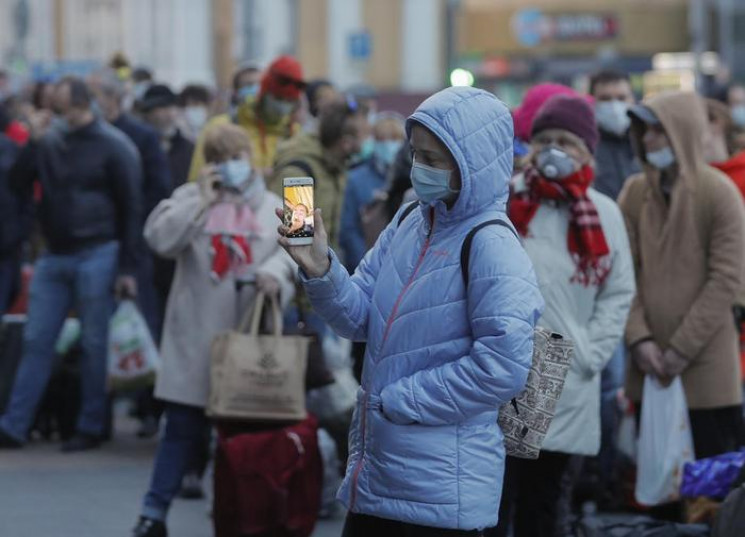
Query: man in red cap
{"x": 265, "y": 115}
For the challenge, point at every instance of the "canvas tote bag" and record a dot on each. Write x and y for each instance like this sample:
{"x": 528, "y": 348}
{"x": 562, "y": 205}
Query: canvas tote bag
{"x": 258, "y": 377}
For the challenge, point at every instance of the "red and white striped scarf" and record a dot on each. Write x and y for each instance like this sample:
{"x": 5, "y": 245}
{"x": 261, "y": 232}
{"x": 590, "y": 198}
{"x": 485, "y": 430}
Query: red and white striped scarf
{"x": 586, "y": 240}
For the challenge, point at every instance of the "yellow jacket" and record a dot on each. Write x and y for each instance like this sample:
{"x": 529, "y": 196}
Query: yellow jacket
{"x": 264, "y": 138}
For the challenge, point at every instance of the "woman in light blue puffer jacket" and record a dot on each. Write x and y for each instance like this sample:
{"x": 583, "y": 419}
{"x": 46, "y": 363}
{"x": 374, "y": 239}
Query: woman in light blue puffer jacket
{"x": 425, "y": 448}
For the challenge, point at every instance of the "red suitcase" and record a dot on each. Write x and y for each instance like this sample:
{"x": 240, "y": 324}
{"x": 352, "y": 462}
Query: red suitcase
{"x": 268, "y": 483}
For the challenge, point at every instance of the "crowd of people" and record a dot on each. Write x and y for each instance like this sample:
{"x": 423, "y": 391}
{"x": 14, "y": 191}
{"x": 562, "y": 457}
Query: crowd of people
{"x": 622, "y": 228}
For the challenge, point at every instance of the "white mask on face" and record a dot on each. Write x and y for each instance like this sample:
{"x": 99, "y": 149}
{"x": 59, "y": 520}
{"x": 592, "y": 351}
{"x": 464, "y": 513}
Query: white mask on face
{"x": 235, "y": 172}
{"x": 196, "y": 117}
{"x": 661, "y": 159}
{"x": 612, "y": 117}
{"x": 738, "y": 115}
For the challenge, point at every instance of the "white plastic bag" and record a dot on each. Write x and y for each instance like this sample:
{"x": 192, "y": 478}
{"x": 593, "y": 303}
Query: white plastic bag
{"x": 340, "y": 397}
{"x": 331, "y": 474}
{"x": 665, "y": 442}
{"x": 132, "y": 355}
{"x": 626, "y": 441}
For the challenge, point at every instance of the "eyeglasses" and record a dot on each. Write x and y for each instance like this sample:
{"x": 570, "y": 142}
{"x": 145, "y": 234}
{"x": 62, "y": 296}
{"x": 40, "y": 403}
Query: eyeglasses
{"x": 283, "y": 80}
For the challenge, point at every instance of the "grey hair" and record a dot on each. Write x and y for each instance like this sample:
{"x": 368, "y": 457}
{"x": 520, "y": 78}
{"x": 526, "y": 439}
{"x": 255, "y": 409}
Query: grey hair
{"x": 109, "y": 83}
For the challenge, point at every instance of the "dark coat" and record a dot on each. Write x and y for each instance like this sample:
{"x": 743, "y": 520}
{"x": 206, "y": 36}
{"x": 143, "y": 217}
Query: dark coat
{"x": 91, "y": 183}
{"x": 16, "y": 209}
{"x": 616, "y": 162}
{"x": 156, "y": 174}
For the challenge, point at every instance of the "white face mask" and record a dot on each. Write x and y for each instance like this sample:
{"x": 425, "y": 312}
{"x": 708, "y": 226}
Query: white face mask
{"x": 196, "y": 117}
{"x": 661, "y": 159}
{"x": 612, "y": 117}
{"x": 235, "y": 172}
{"x": 738, "y": 115}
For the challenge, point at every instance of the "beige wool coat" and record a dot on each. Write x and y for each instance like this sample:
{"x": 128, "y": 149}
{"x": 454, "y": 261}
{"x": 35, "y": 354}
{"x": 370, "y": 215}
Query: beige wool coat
{"x": 198, "y": 307}
{"x": 689, "y": 255}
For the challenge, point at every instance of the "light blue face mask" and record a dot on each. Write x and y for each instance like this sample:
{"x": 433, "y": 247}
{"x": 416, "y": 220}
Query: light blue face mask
{"x": 235, "y": 172}
{"x": 738, "y": 115}
{"x": 430, "y": 183}
{"x": 276, "y": 110}
{"x": 661, "y": 159}
{"x": 385, "y": 152}
{"x": 367, "y": 148}
{"x": 96, "y": 109}
{"x": 252, "y": 90}
{"x": 61, "y": 125}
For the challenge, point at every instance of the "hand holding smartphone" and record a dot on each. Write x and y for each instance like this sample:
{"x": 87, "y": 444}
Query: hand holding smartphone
{"x": 210, "y": 181}
{"x": 299, "y": 206}
{"x": 302, "y": 232}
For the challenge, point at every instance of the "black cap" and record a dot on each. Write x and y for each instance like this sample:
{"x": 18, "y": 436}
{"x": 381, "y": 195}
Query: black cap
{"x": 644, "y": 114}
{"x": 157, "y": 96}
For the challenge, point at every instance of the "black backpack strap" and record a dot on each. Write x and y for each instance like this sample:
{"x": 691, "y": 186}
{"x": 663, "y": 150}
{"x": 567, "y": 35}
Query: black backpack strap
{"x": 307, "y": 170}
{"x": 406, "y": 212}
{"x": 465, "y": 252}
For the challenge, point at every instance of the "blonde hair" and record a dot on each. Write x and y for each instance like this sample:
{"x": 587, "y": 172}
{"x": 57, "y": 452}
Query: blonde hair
{"x": 223, "y": 141}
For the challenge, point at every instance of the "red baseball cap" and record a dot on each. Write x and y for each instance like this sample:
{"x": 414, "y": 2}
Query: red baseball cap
{"x": 284, "y": 79}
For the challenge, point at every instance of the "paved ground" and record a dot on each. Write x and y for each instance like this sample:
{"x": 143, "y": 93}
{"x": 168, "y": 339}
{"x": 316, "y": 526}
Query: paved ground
{"x": 44, "y": 493}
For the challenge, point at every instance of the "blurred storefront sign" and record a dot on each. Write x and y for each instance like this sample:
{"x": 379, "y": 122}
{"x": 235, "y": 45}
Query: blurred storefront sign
{"x": 549, "y": 28}
{"x": 359, "y": 46}
{"x": 533, "y": 27}
{"x": 659, "y": 81}
{"x": 686, "y": 61}
{"x": 53, "y": 71}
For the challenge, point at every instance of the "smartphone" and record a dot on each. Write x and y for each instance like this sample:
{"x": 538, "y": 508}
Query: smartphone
{"x": 299, "y": 207}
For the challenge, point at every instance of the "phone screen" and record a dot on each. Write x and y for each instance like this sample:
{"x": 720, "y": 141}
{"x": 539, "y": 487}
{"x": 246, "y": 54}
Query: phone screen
{"x": 299, "y": 209}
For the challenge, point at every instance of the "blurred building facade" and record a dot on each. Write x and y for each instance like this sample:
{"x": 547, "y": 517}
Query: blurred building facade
{"x": 405, "y": 46}
{"x": 512, "y": 43}
{"x": 390, "y": 44}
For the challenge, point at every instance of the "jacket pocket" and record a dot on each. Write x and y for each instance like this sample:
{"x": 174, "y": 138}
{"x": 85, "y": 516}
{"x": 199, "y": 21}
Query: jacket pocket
{"x": 414, "y": 463}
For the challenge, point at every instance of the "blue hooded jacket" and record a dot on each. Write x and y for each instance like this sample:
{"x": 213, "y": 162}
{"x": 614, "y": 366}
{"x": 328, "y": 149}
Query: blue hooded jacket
{"x": 425, "y": 447}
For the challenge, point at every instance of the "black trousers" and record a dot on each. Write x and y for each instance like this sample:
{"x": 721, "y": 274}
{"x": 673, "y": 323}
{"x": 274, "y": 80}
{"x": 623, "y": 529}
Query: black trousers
{"x": 370, "y": 526}
{"x": 530, "y": 496}
{"x": 717, "y": 430}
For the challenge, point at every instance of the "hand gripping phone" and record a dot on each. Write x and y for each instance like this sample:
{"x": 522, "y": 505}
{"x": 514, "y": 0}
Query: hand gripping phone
{"x": 299, "y": 206}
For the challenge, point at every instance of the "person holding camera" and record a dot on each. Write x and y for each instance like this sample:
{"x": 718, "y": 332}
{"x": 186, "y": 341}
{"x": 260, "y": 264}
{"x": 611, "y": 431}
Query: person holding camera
{"x": 219, "y": 231}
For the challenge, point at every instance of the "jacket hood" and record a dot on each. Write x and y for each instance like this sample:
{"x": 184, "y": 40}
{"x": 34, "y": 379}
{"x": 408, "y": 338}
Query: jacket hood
{"x": 683, "y": 116}
{"x": 476, "y": 127}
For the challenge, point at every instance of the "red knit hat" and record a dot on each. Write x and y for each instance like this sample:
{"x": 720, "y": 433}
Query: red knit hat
{"x": 283, "y": 79}
{"x": 569, "y": 113}
{"x": 535, "y": 97}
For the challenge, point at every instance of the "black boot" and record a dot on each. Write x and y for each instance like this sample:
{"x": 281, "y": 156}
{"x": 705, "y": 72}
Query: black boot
{"x": 148, "y": 527}
{"x": 81, "y": 442}
{"x": 191, "y": 487}
{"x": 9, "y": 442}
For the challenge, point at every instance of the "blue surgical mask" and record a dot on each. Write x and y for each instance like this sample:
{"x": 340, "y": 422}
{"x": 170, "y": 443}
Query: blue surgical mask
{"x": 246, "y": 92}
{"x": 96, "y": 109}
{"x": 235, "y": 172}
{"x": 61, "y": 125}
{"x": 275, "y": 110}
{"x": 367, "y": 149}
{"x": 385, "y": 152}
{"x": 738, "y": 115}
{"x": 430, "y": 183}
{"x": 661, "y": 159}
